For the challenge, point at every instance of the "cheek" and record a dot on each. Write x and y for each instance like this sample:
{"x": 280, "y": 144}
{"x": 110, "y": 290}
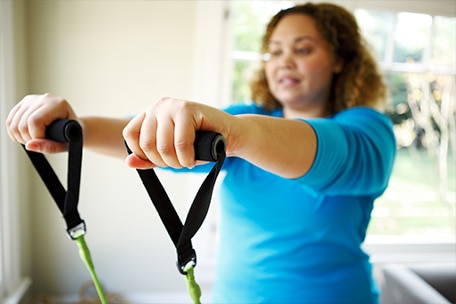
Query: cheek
{"x": 318, "y": 70}
{"x": 269, "y": 72}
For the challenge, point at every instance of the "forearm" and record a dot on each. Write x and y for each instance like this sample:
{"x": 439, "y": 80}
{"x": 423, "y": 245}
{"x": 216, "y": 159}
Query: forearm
{"x": 104, "y": 135}
{"x": 281, "y": 146}
{"x": 162, "y": 136}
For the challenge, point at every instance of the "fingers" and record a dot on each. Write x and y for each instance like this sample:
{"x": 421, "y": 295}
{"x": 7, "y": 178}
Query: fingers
{"x": 132, "y": 134}
{"x": 27, "y": 121}
{"x": 162, "y": 136}
{"x": 17, "y": 121}
{"x": 184, "y": 138}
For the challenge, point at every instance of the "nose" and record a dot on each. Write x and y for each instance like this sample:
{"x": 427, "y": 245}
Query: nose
{"x": 287, "y": 60}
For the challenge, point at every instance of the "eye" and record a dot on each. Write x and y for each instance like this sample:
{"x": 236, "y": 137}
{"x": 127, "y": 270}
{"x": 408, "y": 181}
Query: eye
{"x": 303, "y": 50}
{"x": 276, "y": 53}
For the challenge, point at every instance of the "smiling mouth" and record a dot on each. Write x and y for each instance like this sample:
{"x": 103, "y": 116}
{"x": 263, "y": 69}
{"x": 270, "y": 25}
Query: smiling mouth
{"x": 288, "y": 81}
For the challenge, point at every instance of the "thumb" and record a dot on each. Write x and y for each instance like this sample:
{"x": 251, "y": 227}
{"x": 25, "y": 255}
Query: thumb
{"x": 136, "y": 162}
{"x": 45, "y": 146}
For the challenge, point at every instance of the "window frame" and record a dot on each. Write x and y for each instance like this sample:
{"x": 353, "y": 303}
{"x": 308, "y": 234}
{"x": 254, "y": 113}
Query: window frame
{"x": 7, "y": 249}
{"x": 14, "y": 284}
{"x": 383, "y": 249}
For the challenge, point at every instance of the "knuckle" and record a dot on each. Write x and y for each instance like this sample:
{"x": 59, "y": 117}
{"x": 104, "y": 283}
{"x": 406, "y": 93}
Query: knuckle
{"x": 60, "y": 100}
{"x": 126, "y": 132}
{"x": 164, "y": 101}
{"x": 183, "y": 144}
{"x": 147, "y": 145}
{"x": 184, "y": 149}
{"x": 35, "y": 119}
{"x": 22, "y": 127}
{"x": 10, "y": 123}
{"x": 13, "y": 129}
{"x": 165, "y": 149}
{"x": 28, "y": 99}
{"x": 186, "y": 106}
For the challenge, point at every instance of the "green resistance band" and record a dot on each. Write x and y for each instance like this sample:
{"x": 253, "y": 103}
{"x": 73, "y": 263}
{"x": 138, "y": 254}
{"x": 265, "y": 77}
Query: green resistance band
{"x": 84, "y": 253}
{"x": 193, "y": 288}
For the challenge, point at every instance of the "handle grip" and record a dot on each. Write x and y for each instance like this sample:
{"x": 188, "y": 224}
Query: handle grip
{"x": 208, "y": 145}
{"x": 64, "y": 130}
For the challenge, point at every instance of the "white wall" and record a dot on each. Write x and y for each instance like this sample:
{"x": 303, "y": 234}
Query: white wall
{"x": 109, "y": 58}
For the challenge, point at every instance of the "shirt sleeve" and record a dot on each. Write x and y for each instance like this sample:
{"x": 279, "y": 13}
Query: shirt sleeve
{"x": 355, "y": 153}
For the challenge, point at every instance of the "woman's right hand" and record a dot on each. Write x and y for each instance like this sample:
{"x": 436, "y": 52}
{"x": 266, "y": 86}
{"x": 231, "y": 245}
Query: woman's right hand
{"x": 27, "y": 121}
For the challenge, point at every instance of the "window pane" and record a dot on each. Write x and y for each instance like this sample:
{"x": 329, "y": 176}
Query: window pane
{"x": 411, "y": 37}
{"x": 375, "y": 28}
{"x": 421, "y": 198}
{"x": 243, "y": 72}
{"x": 249, "y": 22}
{"x": 412, "y": 205}
{"x": 444, "y": 42}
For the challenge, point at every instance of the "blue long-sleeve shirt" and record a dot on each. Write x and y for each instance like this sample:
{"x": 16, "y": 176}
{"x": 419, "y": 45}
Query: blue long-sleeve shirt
{"x": 299, "y": 240}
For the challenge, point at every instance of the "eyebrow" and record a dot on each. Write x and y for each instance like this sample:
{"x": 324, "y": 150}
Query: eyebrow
{"x": 296, "y": 40}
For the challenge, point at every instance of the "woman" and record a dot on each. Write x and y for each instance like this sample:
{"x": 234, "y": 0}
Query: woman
{"x": 306, "y": 160}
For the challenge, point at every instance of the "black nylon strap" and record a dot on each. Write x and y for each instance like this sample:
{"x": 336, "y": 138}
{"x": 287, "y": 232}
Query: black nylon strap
{"x": 181, "y": 234}
{"x": 66, "y": 200}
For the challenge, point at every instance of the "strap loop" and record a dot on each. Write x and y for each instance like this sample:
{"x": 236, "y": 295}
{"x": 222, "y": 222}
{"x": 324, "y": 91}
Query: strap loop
{"x": 77, "y": 231}
{"x": 208, "y": 146}
{"x": 67, "y": 200}
{"x": 185, "y": 256}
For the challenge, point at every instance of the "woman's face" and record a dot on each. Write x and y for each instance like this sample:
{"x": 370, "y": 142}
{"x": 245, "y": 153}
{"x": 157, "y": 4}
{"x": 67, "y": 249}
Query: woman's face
{"x": 300, "y": 66}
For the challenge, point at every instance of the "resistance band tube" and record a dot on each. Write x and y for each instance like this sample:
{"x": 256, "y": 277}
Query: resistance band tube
{"x": 84, "y": 253}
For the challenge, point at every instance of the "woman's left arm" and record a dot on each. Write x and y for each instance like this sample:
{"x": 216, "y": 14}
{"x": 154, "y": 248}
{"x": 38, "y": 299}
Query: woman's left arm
{"x": 163, "y": 135}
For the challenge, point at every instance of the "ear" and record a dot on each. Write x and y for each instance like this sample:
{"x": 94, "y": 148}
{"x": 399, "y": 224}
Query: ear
{"x": 338, "y": 66}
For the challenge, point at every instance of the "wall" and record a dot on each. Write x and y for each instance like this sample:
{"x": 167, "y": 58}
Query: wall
{"x": 109, "y": 58}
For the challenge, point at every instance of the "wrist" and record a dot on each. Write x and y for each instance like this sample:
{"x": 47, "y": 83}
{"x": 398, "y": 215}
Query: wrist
{"x": 240, "y": 135}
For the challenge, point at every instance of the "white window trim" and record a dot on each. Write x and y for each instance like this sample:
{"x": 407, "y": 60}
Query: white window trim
{"x": 13, "y": 286}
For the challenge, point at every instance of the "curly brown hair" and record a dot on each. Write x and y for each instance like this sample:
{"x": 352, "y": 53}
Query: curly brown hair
{"x": 359, "y": 83}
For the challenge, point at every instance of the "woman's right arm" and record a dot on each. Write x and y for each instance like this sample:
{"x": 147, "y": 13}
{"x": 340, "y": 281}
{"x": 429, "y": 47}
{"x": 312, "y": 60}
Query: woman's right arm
{"x": 27, "y": 122}
{"x": 104, "y": 135}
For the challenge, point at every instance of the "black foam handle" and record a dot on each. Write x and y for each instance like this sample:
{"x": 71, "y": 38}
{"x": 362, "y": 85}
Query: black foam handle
{"x": 208, "y": 145}
{"x": 64, "y": 130}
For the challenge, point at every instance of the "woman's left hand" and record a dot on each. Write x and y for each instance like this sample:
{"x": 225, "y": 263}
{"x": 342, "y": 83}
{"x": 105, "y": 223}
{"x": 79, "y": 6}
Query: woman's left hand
{"x": 163, "y": 135}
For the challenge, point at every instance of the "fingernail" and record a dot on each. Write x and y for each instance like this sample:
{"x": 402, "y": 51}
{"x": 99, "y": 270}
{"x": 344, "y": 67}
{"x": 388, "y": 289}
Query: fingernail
{"x": 31, "y": 146}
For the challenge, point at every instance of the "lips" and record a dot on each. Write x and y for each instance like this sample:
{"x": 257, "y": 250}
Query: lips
{"x": 288, "y": 81}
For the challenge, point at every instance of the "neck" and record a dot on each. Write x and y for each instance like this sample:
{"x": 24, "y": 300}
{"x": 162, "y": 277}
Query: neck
{"x": 291, "y": 113}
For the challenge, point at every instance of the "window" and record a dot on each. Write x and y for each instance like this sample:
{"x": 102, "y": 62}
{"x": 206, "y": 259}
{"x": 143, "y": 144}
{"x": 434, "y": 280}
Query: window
{"x": 417, "y": 54}
{"x": 418, "y": 58}
{"x": 249, "y": 19}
